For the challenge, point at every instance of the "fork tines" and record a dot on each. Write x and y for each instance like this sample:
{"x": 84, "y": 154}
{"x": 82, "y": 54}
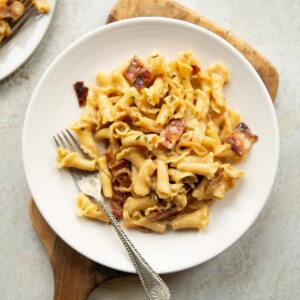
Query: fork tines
{"x": 68, "y": 141}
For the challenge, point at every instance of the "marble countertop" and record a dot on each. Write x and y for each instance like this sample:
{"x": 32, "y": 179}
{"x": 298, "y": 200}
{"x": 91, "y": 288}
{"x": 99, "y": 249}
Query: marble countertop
{"x": 264, "y": 263}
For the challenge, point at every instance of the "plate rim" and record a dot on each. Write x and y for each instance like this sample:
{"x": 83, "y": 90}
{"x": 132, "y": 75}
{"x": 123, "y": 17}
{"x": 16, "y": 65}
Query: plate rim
{"x": 166, "y": 20}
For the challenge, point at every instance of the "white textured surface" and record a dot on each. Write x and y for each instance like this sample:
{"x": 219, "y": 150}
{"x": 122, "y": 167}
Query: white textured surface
{"x": 263, "y": 264}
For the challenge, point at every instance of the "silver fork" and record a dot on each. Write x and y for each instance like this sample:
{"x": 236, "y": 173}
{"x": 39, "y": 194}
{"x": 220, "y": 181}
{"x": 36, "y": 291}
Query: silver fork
{"x": 90, "y": 184}
{"x": 15, "y": 26}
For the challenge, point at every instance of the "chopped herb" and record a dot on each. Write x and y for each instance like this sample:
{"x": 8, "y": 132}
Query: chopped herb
{"x": 145, "y": 139}
{"x": 169, "y": 150}
{"x": 173, "y": 76}
{"x": 132, "y": 97}
{"x": 172, "y": 99}
{"x": 155, "y": 56}
{"x": 138, "y": 137}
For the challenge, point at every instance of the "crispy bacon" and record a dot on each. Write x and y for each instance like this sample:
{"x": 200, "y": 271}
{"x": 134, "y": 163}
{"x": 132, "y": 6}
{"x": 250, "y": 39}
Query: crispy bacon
{"x": 160, "y": 215}
{"x": 118, "y": 197}
{"x": 137, "y": 74}
{"x": 117, "y": 202}
{"x": 172, "y": 133}
{"x": 109, "y": 155}
{"x": 241, "y": 139}
{"x": 114, "y": 164}
{"x": 116, "y": 210}
{"x": 123, "y": 180}
{"x": 196, "y": 69}
{"x": 123, "y": 163}
{"x": 81, "y": 92}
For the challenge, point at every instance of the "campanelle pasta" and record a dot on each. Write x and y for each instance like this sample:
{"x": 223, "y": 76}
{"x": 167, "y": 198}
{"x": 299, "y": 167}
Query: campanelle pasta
{"x": 170, "y": 140}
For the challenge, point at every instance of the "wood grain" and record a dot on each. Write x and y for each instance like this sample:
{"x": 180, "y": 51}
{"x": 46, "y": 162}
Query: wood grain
{"x": 75, "y": 276}
{"x": 125, "y": 9}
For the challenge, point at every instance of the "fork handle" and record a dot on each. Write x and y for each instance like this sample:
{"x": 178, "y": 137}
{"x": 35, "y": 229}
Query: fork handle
{"x": 152, "y": 283}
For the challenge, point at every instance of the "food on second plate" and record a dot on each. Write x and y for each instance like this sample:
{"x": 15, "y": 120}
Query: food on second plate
{"x": 170, "y": 142}
{"x": 11, "y": 11}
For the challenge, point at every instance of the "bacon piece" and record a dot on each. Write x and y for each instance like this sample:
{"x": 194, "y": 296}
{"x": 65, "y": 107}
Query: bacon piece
{"x": 160, "y": 215}
{"x": 118, "y": 197}
{"x": 172, "y": 133}
{"x": 114, "y": 164}
{"x": 119, "y": 169}
{"x": 116, "y": 210}
{"x": 109, "y": 155}
{"x": 117, "y": 202}
{"x": 123, "y": 180}
{"x": 196, "y": 69}
{"x": 123, "y": 163}
{"x": 241, "y": 139}
{"x": 137, "y": 74}
{"x": 81, "y": 92}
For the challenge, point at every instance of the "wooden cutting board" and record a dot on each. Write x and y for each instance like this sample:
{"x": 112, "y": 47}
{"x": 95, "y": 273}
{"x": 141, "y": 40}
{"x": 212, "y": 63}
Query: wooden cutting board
{"x": 74, "y": 275}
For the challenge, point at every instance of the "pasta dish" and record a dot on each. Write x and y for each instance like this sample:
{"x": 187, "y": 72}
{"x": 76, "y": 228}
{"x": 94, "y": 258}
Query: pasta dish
{"x": 169, "y": 142}
{"x": 12, "y": 10}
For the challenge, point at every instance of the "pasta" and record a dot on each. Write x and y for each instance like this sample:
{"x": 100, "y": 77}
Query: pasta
{"x": 170, "y": 141}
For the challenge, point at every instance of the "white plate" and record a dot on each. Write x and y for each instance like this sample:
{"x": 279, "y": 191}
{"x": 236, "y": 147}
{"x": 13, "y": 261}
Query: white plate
{"x": 19, "y": 49}
{"x": 54, "y": 106}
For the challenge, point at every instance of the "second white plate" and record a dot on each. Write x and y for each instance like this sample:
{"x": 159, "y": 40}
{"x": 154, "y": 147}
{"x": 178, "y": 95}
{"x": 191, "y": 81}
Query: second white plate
{"x": 19, "y": 48}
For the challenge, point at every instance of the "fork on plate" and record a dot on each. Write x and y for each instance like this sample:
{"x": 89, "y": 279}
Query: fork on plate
{"x": 89, "y": 183}
{"x": 15, "y": 26}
